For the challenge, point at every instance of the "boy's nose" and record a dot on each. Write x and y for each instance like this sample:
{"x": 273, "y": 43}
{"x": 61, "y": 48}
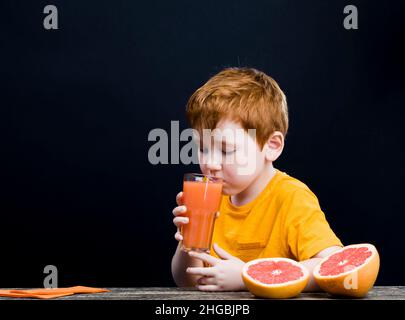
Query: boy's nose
{"x": 213, "y": 167}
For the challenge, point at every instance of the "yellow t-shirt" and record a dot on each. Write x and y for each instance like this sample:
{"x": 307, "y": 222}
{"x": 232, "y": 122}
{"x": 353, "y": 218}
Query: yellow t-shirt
{"x": 285, "y": 220}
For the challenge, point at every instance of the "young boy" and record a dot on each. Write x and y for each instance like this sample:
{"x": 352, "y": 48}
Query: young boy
{"x": 264, "y": 212}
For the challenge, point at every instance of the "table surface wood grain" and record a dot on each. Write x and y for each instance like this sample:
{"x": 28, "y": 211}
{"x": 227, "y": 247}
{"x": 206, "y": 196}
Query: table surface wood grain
{"x": 169, "y": 293}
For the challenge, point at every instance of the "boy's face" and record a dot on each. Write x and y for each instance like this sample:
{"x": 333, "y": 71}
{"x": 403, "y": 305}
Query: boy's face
{"x": 231, "y": 153}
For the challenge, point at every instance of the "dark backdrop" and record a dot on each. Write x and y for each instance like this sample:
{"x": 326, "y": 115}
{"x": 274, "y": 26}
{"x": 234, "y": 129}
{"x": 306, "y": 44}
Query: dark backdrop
{"x": 77, "y": 104}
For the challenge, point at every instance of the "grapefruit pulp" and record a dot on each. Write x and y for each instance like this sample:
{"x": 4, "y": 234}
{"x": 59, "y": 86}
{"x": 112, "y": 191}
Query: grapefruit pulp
{"x": 350, "y": 271}
{"x": 275, "y": 277}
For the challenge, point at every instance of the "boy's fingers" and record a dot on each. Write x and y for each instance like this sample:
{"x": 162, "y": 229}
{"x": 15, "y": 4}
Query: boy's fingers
{"x": 207, "y": 280}
{"x": 178, "y": 236}
{"x": 211, "y": 287}
{"x": 204, "y": 257}
{"x": 222, "y": 253}
{"x": 179, "y": 221}
{"x": 179, "y": 210}
{"x": 179, "y": 198}
{"x": 208, "y": 272}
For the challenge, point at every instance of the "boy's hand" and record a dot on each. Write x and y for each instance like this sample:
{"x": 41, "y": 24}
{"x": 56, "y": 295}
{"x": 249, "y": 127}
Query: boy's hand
{"x": 224, "y": 275}
{"x": 178, "y": 219}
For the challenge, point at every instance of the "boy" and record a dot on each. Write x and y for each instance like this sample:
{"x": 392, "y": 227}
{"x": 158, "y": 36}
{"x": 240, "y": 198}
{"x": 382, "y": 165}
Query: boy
{"x": 264, "y": 212}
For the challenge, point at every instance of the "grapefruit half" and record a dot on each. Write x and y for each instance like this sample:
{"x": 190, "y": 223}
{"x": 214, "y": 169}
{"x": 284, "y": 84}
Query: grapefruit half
{"x": 350, "y": 271}
{"x": 275, "y": 277}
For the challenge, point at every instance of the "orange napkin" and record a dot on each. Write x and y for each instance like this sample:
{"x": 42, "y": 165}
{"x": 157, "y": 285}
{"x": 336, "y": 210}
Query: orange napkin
{"x": 48, "y": 293}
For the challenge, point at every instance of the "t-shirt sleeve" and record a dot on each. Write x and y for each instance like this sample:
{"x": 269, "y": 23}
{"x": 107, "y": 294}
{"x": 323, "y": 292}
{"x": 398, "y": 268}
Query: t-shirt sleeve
{"x": 308, "y": 232}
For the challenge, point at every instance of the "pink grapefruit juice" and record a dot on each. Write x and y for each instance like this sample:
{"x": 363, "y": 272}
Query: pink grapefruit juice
{"x": 202, "y": 200}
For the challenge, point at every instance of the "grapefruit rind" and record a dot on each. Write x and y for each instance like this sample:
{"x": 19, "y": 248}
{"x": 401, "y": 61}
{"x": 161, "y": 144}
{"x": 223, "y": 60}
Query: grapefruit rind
{"x": 283, "y": 290}
{"x": 349, "y": 283}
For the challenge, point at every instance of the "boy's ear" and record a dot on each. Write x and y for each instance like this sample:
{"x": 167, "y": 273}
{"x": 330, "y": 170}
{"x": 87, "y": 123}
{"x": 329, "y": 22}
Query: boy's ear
{"x": 274, "y": 146}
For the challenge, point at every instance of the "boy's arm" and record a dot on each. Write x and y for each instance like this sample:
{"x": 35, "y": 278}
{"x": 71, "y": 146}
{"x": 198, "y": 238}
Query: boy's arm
{"x": 310, "y": 264}
{"x": 180, "y": 262}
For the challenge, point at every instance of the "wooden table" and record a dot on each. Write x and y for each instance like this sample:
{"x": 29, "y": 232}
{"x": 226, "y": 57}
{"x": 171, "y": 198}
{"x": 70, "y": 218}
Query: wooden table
{"x": 154, "y": 293}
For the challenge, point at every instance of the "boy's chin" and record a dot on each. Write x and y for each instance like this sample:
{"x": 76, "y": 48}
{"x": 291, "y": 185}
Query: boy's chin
{"x": 228, "y": 192}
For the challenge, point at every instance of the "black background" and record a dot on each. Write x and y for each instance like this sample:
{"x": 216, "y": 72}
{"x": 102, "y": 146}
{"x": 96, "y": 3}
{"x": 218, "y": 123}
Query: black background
{"x": 77, "y": 104}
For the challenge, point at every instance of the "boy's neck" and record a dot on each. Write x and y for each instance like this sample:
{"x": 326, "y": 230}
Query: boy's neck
{"x": 255, "y": 188}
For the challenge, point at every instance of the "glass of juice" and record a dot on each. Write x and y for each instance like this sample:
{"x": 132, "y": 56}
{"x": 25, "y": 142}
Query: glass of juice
{"x": 202, "y": 198}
